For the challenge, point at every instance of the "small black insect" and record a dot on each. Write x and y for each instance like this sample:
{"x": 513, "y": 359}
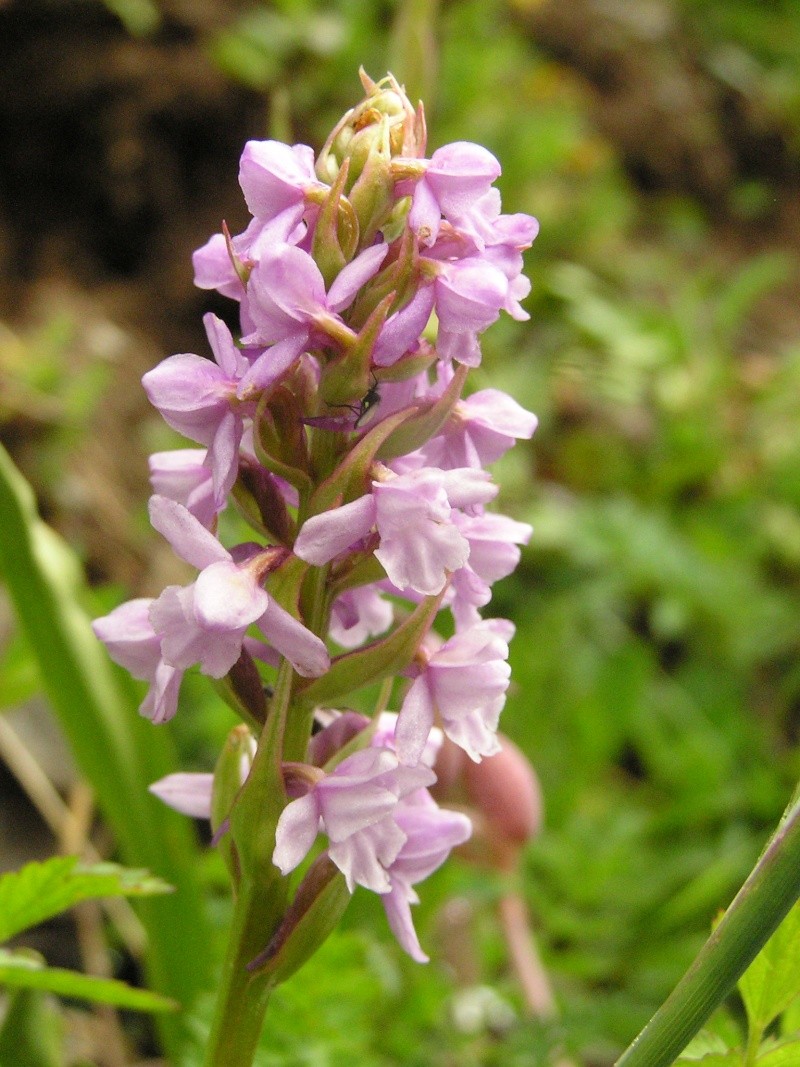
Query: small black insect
{"x": 360, "y": 411}
{"x": 368, "y": 401}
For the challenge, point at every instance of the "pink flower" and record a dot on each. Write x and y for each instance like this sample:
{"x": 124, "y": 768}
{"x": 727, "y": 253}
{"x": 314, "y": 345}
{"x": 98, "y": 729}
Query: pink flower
{"x": 287, "y": 298}
{"x": 208, "y": 402}
{"x": 354, "y": 805}
{"x": 464, "y": 685}
{"x": 190, "y": 793}
{"x": 206, "y": 622}
{"x": 493, "y": 554}
{"x": 431, "y": 832}
{"x": 469, "y": 295}
{"x": 358, "y": 614}
{"x": 481, "y": 429}
{"x": 277, "y": 177}
{"x": 419, "y": 543}
{"x": 184, "y": 475}
{"x": 131, "y": 641}
{"x": 456, "y": 177}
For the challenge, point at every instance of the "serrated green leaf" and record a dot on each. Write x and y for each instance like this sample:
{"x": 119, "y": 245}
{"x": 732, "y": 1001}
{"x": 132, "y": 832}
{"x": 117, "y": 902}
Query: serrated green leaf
{"x": 40, "y": 890}
{"x": 772, "y": 981}
{"x": 24, "y": 972}
{"x": 703, "y": 1044}
{"x": 782, "y": 1054}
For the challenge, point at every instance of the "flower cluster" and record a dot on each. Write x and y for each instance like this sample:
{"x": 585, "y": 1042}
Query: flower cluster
{"x": 334, "y": 421}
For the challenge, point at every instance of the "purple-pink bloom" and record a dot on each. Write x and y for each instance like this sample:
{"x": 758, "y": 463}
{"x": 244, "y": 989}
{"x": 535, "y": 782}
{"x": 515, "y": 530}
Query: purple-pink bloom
{"x": 493, "y": 554}
{"x": 456, "y": 177}
{"x": 214, "y": 266}
{"x": 463, "y": 686}
{"x": 469, "y": 295}
{"x": 131, "y": 641}
{"x": 358, "y": 614}
{"x": 184, "y": 475}
{"x": 208, "y": 402}
{"x": 276, "y": 177}
{"x": 480, "y": 430}
{"x": 419, "y": 543}
{"x": 206, "y": 622}
{"x": 287, "y": 298}
{"x": 354, "y": 805}
{"x": 431, "y": 833}
{"x": 190, "y": 793}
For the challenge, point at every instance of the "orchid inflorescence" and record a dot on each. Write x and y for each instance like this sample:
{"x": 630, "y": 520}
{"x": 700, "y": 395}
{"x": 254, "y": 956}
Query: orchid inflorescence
{"x": 336, "y": 426}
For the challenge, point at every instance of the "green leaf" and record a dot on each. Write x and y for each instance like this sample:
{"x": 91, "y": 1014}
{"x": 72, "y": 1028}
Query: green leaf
{"x": 24, "y": 972}
{"x": 319, "y": 904}
{"x": 704, "y": 1044}
{"x": 375, "y": 661}
{"x": 783, "y": 1054}
{"x": 772, "y": 981}
{"x": 40, "y": 890}
{"x": 732, "y": 1058}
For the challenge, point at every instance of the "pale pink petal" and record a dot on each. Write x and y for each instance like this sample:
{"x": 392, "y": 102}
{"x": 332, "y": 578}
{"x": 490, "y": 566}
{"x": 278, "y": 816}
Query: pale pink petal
{"x": 130, "y": 638}
{"x": 364, "y": 857}
{"x": 304, "y": 650}
{"x": 161, "y": 701}
{"x": 327, "y": 535}
{"x": 354, "y": 276}
{"x": 425, "y": 215}
{"x": 397, "y": 903}
{"x": 414, "y": 723}
{"x": 227, "y": 598}
{"x": 271, "y": 365}
{"x": 295, "y": 833}
{"x": 402, "y": 330}
{"x": 188, "y": 537}
{"x": 190, "y": 794}
{"x": 224, "y": 455}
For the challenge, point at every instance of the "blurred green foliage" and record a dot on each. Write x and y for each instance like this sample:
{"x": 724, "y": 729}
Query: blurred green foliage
{"x": 656, "y": 668}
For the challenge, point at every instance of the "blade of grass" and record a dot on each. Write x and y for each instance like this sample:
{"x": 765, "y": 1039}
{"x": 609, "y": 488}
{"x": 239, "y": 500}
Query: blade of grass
{"x": 117, "y": 751}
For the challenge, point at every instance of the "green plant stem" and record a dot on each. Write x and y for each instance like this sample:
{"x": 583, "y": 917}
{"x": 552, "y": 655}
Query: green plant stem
{"x": 261, "y": 894}
{"x": 243, "y": 997}
{"x": 754, "y": 1036}
{"x": 757, "y": 910}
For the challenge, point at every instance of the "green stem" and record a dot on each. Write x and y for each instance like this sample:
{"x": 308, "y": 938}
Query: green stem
{"x": 757, "y": 910}
{"x": 754, "y": 1036}
{"x": 261, "y": 897}
{"x": 242, "y": 998}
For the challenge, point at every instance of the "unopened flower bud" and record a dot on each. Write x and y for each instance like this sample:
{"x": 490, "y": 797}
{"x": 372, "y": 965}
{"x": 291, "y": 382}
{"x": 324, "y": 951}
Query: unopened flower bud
{"x": 384, "y": 118}
{"x": 503, "y": 789}
{"x": 231, "y": 770}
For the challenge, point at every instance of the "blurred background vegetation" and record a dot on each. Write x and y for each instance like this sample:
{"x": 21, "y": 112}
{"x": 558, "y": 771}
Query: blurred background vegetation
{"x": 656, "y": 668}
